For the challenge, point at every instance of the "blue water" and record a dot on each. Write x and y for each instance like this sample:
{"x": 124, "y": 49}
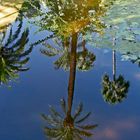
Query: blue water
{"x": 42, "y": 85}
{"x": 22, "y": 104}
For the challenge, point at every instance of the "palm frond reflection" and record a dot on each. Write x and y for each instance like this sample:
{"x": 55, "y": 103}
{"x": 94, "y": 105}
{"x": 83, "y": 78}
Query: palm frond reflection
{"x": 67, "y": 127}
{"x": 13, "y": 55}
{"x": 85, "y": 58}
{"x": 114, "y": 91}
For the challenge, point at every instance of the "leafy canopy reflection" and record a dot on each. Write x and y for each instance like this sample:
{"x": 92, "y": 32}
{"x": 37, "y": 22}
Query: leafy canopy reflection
{"x": 67, "y": 127}
{"x": 13, "y": 55}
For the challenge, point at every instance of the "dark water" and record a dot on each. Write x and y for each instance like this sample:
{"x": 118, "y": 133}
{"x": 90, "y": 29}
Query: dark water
{"x": 23, "y": 100}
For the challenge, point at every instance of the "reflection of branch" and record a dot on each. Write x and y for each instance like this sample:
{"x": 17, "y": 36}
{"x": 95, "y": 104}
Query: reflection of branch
{"x": 42, "y": 40}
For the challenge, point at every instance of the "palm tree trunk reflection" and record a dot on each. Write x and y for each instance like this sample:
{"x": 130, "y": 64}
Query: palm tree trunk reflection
{"x": 69, "y": 127}
{"x": 72, "y": 73}
{"x": 114, "y": 64}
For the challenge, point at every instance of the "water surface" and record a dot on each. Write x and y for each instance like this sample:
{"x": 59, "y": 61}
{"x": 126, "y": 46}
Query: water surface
{"x": 80, "y": 51}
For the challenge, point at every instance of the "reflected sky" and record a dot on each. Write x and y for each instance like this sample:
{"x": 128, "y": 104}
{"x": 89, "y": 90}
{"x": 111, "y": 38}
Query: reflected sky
{"x": 43, "y": 85}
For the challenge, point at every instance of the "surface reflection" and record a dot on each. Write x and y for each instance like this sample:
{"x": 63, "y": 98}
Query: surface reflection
{"x": 68, "y": 127}
{"x": 13, "y": 54}
{"x": 114, "y": 91}
{"x": 65, "y": 18}
{"x": 61, "y": 48}
{"x": 69, "y": 23}
{"x": 69, "y": 28}
{"x": 9, "y": 12}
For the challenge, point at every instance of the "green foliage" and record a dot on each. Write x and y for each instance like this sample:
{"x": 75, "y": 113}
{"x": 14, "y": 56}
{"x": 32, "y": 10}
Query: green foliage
{"x": 126, "y": 11}
{"x": 122, "y": 22}
{"x": 30, "y": 11}
{"x": 85, "y": 58}
{"x": 131, "y": 57}
{"x": 65, "y": 17}
{"x": 114, "y": 91}
{"x": 65, "y": 127}
{"x": 118, "y": 19}
{"x": 13, "y": 55}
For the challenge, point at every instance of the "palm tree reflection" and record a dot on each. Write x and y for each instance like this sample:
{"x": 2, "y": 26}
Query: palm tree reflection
{"x": 68, "y": 127}
{"x": 68, "y": 21}
{"x": 84, "y": 57}
{"x": 114, "y": 91}
{"x": 64, "y": 18}
{"x": 13, "y": 55}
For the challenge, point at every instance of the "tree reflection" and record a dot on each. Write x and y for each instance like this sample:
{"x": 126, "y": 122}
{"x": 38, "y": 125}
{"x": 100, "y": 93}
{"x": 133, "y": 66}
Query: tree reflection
{"x": 68, "y": 127}
{"x": 8, "y": 12}
{"x": 69, "y": 22}
{"x": 13, "y": 55}
{"x": 84, "y": 57}
{"x": 65, "y": 18}
{"x": 68, "y": 26}
{"x": 114, "y": 91}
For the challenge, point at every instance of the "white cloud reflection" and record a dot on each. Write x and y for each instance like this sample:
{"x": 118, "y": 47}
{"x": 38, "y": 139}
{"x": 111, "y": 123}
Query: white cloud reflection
{"x": 137, "y": 76}
{"x": 115, "y": 130}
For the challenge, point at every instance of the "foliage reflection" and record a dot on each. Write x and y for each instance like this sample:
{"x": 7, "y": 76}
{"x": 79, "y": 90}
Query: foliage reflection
{"x": 114, "y": 91}
{"x": 13, "y": 55}
{"x": 68, "y": 127}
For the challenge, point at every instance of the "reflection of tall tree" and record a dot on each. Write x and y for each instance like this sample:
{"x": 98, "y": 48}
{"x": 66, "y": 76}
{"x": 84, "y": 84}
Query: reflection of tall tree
{"x": 84, "y": 58}
{"x": 13, "y": 55}
{"x": 115, "y": 90}
{"x": 68, "y": 127}
{"x": 114, "y": 64}
{"x": 65, "y": 18}
{"x": 72, "y": 73}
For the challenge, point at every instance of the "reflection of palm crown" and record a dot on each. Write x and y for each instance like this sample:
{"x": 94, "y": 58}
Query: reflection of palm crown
{"x": 67, "y": 127}
{"x": 67, "y": 17}
{"x": 84, "y": 58}
{"x": 114, "y": 91}
{"x": 12, "y": 53}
